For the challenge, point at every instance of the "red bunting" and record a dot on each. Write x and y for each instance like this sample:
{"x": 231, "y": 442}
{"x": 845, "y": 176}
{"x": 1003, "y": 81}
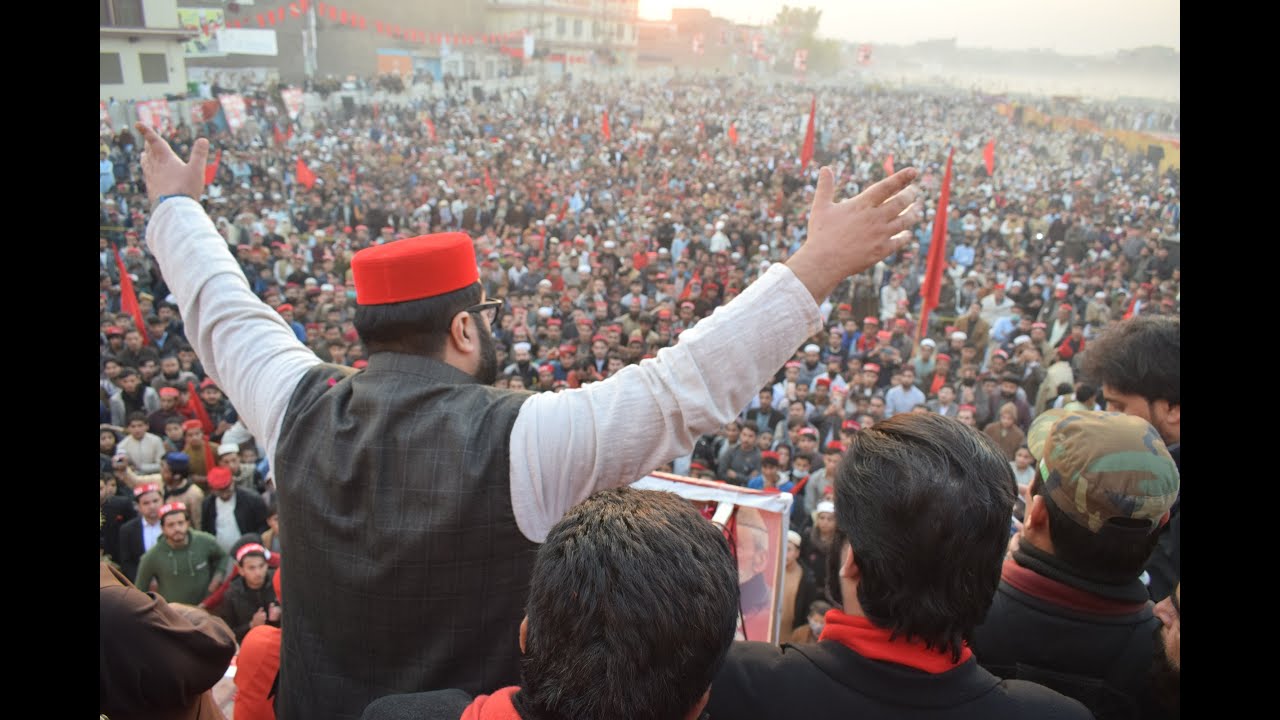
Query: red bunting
{"x": 211, "y": 169}
{"x": 342, "y": 17}
{"x": 129, "y": 299}
{"x": 294, "y": 10}
{"x": 262, "y": 22}
{"x": 378, "y": 25}
{"x": 280, "y": 14}
{"x": 320, "y": 9}
{"x": 333, "y": 13}
{"x": 271, "y": 18}
{"x": 304, "y": 174}
{"x": 806, "y": 151}
{"x": 304, "y": 4}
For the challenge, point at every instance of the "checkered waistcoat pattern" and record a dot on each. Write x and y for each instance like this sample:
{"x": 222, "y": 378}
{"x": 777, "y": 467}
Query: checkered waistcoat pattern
{"x": 404, "y": 569}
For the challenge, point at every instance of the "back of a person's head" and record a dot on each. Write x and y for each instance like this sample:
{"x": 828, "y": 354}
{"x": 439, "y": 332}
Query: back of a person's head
{"x": 926, "y": 503}
{"x": 1139, "y": 356}
{"x": 632, "y": 608}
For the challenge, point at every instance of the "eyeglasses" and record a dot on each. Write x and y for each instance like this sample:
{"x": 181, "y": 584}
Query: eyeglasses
{"x": 489, "y": 309}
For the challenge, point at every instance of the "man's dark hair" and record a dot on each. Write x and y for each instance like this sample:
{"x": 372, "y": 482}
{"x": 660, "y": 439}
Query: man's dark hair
{"x": 908, "y": 486}
{"x": 415, "y": 327}
{"x": 1086, "y": 393}
{"x": 128, "y": 371}
{"x": 1115, "y": 554}
{"x": 632, "y": 609}
{"x": 135, "y": 416}
{"x": 1139, "y": 356}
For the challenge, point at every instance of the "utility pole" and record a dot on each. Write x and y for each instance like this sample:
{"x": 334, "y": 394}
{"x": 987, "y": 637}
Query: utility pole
{"x": 309, "y": 43}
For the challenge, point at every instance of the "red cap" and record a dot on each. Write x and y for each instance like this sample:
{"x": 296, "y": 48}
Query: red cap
{"x": 943, "y": 356}
{"x": 851, "y": 425}
{"x": 999, "y": 286}
{"x": 697, "y": 466}
{"x": 687, "y": 304}
{"x": 414, "y": 268}
{"x": 114, "y": 330}
{"x": 169, "y": 392}
{"x": 871, "y": 367}
{"x": 208, "y": 383}
{"x": 835, "y": 446}
{"x": 172, "y": 507}
{"x": 770, "y": 455}
{"x": 808, "y": 432}
{"x": 900, "y": 322}
{"x": 664, "y": 314}
{"x": 822, "y": 382}
{"x": 844, "y": 306}
{"x": 249, "y": 549}
{"x": 219, "y": 478}
{"x": 1040, "y": 325}
{"x": 554, "y": 321}
{"x": 792, "y": 363}
{"x": 1064, "y": 306}
{"x": 145, "y": 488}
{"x": 1001, "y": 353}
{"x": 546, "y": 367}
{"x": 360, "y": 364}
{"x": 970, "y": 408}
{"x": 284, "y": 307}
{"x": 870, "y": 320}
{"x": 599, "y": 337}
{"x": 568, "y": 348}
{"x": 192, "y": 425}
{"x": 884, "y": 335}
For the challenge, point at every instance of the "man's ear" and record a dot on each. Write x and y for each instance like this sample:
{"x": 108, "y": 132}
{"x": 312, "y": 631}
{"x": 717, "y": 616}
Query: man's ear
{"x": 463, "y": 333}
{"x": 524, "y": 633}
{"x": 1037, "y": 516}
{"x": 848, "y": 567}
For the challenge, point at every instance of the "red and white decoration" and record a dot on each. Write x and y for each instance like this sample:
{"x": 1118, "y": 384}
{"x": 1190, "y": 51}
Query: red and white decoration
{"x": 297, "y": 12}
{"x": 802, "y": 60}
{"x": 233, "y": 109}
{"x": 104, "y": 118}
{"x": 155, "y": 113}
{"x": 292, "y": 101}
{"x": 864, "y": 55}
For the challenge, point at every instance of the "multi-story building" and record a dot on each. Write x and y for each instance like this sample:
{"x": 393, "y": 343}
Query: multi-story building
{"x": 574, "y": 36}
{"x": 140, "y": 53}
{"x": 695, "y": 41}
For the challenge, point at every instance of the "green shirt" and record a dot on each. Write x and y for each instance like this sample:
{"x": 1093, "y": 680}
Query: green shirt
{"x": 182, "y": 575}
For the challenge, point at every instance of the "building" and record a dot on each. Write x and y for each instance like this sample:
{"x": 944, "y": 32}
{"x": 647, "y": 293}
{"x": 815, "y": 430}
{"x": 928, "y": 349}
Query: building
{"x": 695, "y": 41}
{"x": 571, "y": 36}
{"x": 140, "y": 50}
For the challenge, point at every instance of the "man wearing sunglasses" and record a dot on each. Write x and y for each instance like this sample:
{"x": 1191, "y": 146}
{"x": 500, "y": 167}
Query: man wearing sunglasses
{"x": 416, "y": 494}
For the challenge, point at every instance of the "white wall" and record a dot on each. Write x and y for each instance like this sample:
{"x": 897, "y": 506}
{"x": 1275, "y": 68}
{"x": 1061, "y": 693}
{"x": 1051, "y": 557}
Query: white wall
{"x": 160, "y": 13}
{"x": 133, "y": 87}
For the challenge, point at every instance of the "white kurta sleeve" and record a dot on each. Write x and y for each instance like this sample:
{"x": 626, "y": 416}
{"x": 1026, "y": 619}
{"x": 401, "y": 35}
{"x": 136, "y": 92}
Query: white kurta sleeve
{"x": 244, "y": 345}
{"x": 567, "y": 445}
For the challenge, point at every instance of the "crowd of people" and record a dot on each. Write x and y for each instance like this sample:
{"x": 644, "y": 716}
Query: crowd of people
{"x": 597, "y": 255}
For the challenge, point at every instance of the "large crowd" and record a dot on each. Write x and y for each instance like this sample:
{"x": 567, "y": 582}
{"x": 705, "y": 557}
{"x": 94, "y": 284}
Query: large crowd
{"x": 601, "y": 248}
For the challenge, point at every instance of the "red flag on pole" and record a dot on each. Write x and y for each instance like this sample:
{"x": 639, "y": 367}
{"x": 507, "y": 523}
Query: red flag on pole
{"x": 488, "y": 183}
{"x": 604, "y": 125}
{"x": 888, "y": 165}
{"x": 806, "y": 152}
{"x": 129, "y": 299}
{"x": 989, "y": 158}
{"x": 937, "y": 251}
{"x": 431, "y": 128}
{"x": 211, "y": 170}
{"x": 304, "y": 174}
{"x": 688, "y": 288}
{"x": 733, "y": 133}
{"x": 196, "y": 408}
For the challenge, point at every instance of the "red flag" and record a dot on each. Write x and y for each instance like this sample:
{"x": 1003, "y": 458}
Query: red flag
{"x": 431, "y": 128}
{"x": 733, "y": 133}
{"x": 937, "y": 251}
{"x": 806, "y": 152}
{"x": 604, "y": 126}
{"x": 129, "y": 300}
{"x": 989, "y": 158}
{"x": 196, "y": 407}
{"x": 564, "y": 210}
{"x": 688, "y": 288}
{"x": 211, "y": 170}
{"x": 261, "y": 21}
{"x": 279, "y": 136}
{"x": 888, "y": 165}
{"x": 304, "y": 174}
{"x": 488, "y": 183}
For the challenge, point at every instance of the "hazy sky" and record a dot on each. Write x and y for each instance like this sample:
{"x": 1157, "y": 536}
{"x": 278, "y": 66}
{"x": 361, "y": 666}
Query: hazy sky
{"x": 1076, "y": 27}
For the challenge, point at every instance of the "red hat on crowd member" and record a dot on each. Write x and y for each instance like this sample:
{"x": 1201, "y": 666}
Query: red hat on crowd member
{"x": 884, "y": 335}
{"x": 999, "y": 286}
{"x": 970, "y": 408}
{"x": 113, "y": 330}
{"x": 942, "y": 356}
{"x": 808, "y": 432}
{"x": 360, "y": 364}
{"x": 1064, "y": 350}
{"x": 614, "y": 327}
{"x": 835, "y": 446}
{"x": 870, "y": 320}
{"x": 313, "y": 326}
{"x": 172, "y": 507}
{"x": 695, "y": 466}
{"x": 844, "y": 306}
{"x": 770, "y": 457}
{"x": 546, "y": 368}
{"x": 145, "y": 488}
{"x": 664, "y": 314}
{"x": 554, "y": 321}
{"x": 291, "y": 285}
{"x": 1065, "y": 306}
{"x": 850, "y": 425}
{"x": 568, "y": 348}
{"x": 250, "y": 549}
{"x": 602, "y": 304}
{"x": 793, "y": 363}
{"x": 1001, "y": 353}
{"x": 346, "y": 229}
{"x": 414, "y": 268}
{"x": 900, "y": 322}
{"x": 1167, "y": 301}
{"x": 219, "y": 478}
{"x": 687, "y": 304}
{"x": 599, "y": 337}
{"x": 208, "y": 383}
{"x": 1040, "y": 325}
{"x": 388, "y": 228}
{"x": 871, "y": 367}
{"x": 284, "y": 307}
{"x": 822, "y": 382}
{"x": 169, "y": 392}
{"x": 192, "y": 425}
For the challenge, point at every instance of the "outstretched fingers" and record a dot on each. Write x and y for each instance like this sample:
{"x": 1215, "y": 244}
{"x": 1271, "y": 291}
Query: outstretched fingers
{"x": 888, "y": 187}
{"x": 825, "y": 192}
{"x": 895, "y": 205}
{"x": 199, "y": 154}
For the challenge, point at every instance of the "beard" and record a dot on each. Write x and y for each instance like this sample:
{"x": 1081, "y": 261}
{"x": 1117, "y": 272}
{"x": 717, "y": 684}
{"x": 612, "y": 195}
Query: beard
{"x": 1165, "y": 678}
{"x": 487, "y": 372}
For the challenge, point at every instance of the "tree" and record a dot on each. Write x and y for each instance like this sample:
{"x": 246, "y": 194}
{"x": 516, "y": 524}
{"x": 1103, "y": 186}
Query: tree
{"x": 802, "y": 22}
{"x": 798, "y": 27}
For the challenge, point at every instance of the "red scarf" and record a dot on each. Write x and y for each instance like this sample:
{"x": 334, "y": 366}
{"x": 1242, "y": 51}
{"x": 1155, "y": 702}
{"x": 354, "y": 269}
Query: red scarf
{"x": 861, "y": 636}
{"x": 497, "y": 706}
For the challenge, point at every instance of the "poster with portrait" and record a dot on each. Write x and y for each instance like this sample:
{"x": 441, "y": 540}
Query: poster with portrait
{"x": 233, "y": 109}
{"x": 204, "y": 23}
{"x": 755, "y": 524}
{"x": 154, "y": 113}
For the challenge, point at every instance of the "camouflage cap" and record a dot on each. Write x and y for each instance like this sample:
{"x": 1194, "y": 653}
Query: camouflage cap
{"x": 1099, "y": 466}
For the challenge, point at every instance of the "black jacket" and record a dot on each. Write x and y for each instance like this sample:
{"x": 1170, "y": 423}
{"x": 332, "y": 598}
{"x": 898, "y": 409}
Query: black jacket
{"x": 1165, "y": 565}
{"x": 1087, "y": 640}
{"x": 130, "y": 547}
{"x": 251, "y": 513}
{"x": 828, "y": 680}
